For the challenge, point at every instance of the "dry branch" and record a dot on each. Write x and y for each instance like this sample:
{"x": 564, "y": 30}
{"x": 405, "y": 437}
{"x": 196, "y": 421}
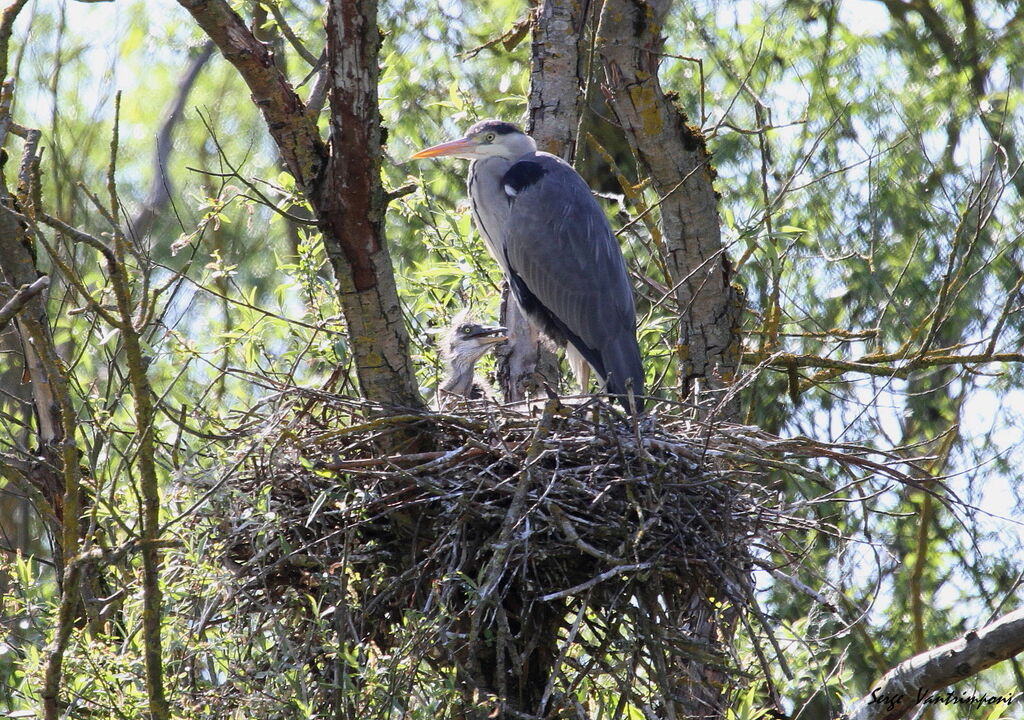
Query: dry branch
{"x": 120, "y": 278}
{"x": 505, "y": 523}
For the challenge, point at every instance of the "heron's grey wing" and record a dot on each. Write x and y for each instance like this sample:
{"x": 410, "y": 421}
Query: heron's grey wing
{"x": 567, "y": 269}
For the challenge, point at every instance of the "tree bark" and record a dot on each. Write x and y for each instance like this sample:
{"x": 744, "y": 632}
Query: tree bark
{"x": 18, "y": 269}
{"x": 679, "y": 164}
{"x": 342, "y": 184}
{"x": 556, "y": 92}
{"x": 905, "y": 686}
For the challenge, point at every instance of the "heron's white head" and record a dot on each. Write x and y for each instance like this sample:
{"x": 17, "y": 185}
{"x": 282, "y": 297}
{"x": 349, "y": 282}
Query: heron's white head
{"x": 488, "y": 138}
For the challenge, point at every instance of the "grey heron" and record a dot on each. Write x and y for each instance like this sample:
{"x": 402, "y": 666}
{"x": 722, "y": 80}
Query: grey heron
{"x": 465, "y": 344}
{"x": 556, "y": 249}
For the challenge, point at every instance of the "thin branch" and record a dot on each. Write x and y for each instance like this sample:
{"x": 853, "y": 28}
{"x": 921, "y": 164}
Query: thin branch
{"x": 318, "y": 95}
{"x": 10, "y": 14}
{"x": 877, "y": 364}
{"x": 149, "y": 493}
{"x": 289, "y": 34}
{"x": 303, "y": 151}
{"x": 77, "y": 235}
{"x": 596, "y": 580}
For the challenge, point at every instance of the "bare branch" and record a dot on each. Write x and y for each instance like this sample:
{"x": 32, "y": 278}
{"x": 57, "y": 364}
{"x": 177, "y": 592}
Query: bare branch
{"x": 149, "y": 503}
{"x": 910, "y": 682}
{"x": 20, "y": 298}
{"x": 508, "y": 40}
{"x": 318, "y": 94}
{"x": 78, "y": 235}
{"x": 10, "y": 14}
{"x": 289, "y": 34}
{"x": 892, "y": 365}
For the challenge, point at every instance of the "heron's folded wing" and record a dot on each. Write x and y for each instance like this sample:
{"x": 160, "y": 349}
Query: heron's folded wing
{"x": 564, "y": 261}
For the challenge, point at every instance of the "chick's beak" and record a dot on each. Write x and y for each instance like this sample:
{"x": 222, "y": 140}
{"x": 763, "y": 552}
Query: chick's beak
{"x": 491, "y": 335}
{"x": 460, "y": 147}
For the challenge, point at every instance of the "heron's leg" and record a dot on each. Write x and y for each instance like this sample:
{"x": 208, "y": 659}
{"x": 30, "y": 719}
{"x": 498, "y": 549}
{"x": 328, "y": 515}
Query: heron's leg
{"x": 580, "y": 367}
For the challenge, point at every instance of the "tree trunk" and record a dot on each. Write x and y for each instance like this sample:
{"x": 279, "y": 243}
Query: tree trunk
{"x": 343, "y": 184}
{"x": 556, "y": 93}
{"x": 18, "y": 269}
{"x": 677, "y": 159}
{"x": 350, "y": 203}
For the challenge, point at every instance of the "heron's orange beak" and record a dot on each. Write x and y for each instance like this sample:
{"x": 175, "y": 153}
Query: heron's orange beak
{"x": 455, "y": 147}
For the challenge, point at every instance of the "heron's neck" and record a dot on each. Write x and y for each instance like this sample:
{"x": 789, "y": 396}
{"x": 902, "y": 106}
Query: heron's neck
{"x": 459, "y": 380}
{"x": 490, "y": 167}
{"x": 497, "y": 166}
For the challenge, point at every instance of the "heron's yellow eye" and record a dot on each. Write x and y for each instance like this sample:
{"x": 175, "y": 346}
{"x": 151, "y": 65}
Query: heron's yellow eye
{"x": 489, "y": 137}
{"x": 465, "y": 329}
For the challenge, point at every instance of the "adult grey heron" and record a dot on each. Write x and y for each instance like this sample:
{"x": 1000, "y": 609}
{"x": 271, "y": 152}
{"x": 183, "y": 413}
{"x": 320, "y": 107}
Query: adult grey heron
{"x": 466, "y": 343}
{"x": 556, "y": 248}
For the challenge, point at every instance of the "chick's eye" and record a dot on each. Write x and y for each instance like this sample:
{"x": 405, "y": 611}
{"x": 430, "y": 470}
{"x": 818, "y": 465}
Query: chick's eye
{"x": 465, "y": 329}
{"x": 489, "y": 137}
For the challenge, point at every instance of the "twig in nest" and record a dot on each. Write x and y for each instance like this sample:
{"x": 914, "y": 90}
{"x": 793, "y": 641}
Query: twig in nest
{"x": 582, "y": 587}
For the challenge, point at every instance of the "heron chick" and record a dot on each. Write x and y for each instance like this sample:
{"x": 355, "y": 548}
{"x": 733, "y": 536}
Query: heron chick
{"x": 465, "y": 344}
{"x": 556, "y": 249}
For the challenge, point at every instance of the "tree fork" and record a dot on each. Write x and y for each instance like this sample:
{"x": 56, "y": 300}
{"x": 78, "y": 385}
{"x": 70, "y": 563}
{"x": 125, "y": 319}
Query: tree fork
{"x": 351, "y": 202}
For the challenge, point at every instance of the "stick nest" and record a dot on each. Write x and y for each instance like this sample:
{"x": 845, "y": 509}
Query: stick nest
{"x": 495, "y": 528}
{"x": 567, "y": 497}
